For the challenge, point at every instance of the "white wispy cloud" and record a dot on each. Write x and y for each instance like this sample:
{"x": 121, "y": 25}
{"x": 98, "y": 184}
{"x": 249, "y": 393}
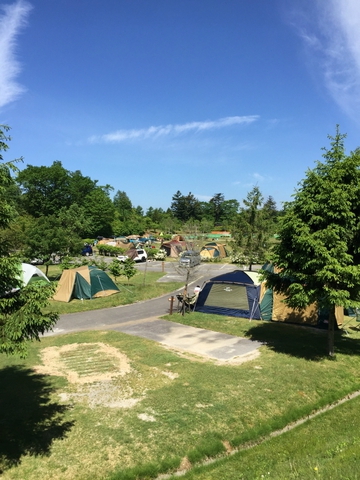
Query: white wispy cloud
{"x": 253, "y": 179}
{"x": 165, "y": 130}
{"x": 330, "y": 31}
{"x": 12, "y": 19}
{"x": 203, "y": 198}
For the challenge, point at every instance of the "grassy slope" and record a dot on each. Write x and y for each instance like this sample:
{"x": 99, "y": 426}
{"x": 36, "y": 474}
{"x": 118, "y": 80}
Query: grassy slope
{"x": 186, "y": 407}
{"x": 324, "y": 447}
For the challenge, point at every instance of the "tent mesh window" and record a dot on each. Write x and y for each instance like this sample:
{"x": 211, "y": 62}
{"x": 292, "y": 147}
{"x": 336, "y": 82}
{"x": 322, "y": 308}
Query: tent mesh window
{"x": 228, "y": 296}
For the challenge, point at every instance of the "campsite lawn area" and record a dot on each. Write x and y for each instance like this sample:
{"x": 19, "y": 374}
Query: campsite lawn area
{"x": 139, "y": 288}
{"x": 98, "y": 405}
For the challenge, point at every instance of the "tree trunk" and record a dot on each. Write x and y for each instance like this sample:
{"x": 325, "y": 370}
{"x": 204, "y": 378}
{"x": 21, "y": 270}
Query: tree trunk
{"x": 331, "y": 329}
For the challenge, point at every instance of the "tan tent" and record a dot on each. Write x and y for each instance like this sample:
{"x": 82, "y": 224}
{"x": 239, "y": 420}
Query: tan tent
{"x": 84, "y": 283}
{"x": 213, "y": 250}
{"x": 274, "y": 308}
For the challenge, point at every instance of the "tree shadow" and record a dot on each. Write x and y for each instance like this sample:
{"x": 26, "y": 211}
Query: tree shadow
{"x": 29, "y": 421}
{"x": 309, "y": 343}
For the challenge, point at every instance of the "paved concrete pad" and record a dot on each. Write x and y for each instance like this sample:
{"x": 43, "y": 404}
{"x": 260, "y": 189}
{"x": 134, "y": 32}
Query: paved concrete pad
{"x": 218, "y": 346}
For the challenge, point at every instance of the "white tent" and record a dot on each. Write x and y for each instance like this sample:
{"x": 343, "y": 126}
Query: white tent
{"x": 30, "y": 271}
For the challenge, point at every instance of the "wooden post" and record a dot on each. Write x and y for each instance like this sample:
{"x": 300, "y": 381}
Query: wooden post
{"x": 171, "y": 300}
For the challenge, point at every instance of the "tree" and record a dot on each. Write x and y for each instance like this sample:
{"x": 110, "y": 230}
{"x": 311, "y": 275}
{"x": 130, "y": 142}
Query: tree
{"x": 116, "y": 268}
{"x": 250, "y": 233}
{"x": 217, "y": 202}
{"x": 21, "y": 308}
{"x": 319, "y": 250}
{"x": 100, "y": 211}
{"x": 185, "y": 207}
{"x": 129, "y": 269}
{"x": 230, "y": 211}
{"x": 57, "y": 234}
{"x": 44, "y": 189}
{"x": 122, "y": 205}
{"x": 270, "y": 214}
{"x": 178, "y": 206}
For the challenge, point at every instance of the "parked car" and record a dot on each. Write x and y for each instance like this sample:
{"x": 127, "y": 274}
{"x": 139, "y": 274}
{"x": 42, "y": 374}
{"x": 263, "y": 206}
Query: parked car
{"x": 87, "y": 250}
{"x": 140, "y": 257}
{"x": 37, "y": 261}
{"x": 190, "y": 258}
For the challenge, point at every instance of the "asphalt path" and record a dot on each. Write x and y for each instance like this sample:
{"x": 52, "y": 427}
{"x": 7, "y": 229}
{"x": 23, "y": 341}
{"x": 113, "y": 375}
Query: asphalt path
{"x": 142, "y": 318}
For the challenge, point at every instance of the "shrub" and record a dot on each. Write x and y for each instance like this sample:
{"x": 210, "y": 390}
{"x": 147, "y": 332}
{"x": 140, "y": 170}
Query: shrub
{"x": 109, "y": 250}
{"x": 157, "y": 254}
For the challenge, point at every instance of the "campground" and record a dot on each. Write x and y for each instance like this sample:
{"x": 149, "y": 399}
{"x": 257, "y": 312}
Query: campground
{"x": 103, "y": 404}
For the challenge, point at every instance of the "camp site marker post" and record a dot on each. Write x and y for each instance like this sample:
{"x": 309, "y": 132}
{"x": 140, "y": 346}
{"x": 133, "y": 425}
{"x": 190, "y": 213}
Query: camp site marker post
{"x": 171, "y": 300}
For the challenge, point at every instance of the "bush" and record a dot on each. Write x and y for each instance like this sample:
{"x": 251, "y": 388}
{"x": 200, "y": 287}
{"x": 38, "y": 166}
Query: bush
{"x": 69, "y": 262}
{"x": 109, "y": 250}
{"x": 160, "y": 255}
{"x": 156, "y": 254}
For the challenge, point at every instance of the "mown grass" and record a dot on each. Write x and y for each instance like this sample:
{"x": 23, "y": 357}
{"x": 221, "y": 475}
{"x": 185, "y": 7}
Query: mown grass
{"x": 325, "y": 447}
{"x": 140, "y": 287}
{"x": 185, "y": 407}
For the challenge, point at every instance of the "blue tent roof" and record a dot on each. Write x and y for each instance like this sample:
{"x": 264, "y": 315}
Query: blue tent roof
{"x": 236, "y": 276}
{"x": 233, "y": 294}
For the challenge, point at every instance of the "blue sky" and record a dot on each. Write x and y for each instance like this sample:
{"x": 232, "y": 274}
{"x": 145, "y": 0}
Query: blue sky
{"x": 156, "y": 96}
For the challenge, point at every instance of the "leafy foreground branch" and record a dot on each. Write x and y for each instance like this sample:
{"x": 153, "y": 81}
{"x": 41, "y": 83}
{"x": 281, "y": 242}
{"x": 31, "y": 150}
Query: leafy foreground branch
{"x": 21, "y": 317}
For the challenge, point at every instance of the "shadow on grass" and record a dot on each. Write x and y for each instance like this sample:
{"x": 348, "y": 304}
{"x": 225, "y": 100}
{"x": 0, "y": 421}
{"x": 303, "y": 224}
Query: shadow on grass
{"x": 29, "y": 421}
{"x": 303, "y": 342}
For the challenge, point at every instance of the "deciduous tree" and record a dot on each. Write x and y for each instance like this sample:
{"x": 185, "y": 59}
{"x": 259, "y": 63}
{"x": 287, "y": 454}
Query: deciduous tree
{"x": 21, "y": 308}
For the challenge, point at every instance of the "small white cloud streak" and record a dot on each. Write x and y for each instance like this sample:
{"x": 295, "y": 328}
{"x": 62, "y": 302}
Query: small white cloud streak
{"x": 331, "y": 35}
{"x": 11, "y": 21}
{"x": 203, "y": 198}
{"x": 165, "y": 130}
{"x": 255, "y": 178}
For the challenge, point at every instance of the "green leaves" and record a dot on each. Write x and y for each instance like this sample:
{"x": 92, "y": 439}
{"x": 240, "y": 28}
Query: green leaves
{"x": 320, "y": 235}
{"x": 21, "y": 317}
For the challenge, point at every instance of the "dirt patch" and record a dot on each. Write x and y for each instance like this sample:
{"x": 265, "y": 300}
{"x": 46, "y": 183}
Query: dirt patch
{"x": 95, "y": 369}
{"x": 84, "y": 362}
{"x": 146, "y": 418}
{"x": 170, "y": 375}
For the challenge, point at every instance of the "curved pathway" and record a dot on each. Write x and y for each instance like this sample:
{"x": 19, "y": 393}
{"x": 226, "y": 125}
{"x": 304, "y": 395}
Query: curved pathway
{"x": 142, "y": 319}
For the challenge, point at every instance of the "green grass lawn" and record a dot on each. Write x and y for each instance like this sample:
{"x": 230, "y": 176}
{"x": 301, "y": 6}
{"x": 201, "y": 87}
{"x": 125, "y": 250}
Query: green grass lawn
{"x": 325, "y": 447}
{"x": 168, "y": 408}
{"x": 140, "y": 287}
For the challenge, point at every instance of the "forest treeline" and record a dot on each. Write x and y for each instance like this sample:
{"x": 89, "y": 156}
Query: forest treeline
{"x": 57, "y": 208}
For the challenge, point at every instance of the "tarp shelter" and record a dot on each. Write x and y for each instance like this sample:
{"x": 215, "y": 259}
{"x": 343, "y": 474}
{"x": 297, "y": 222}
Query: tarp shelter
{"x": 213, "y": 250}
{"x": 235, "y": 294}
{"x": 84, "y": 283}
{"x": 30, "y": 274}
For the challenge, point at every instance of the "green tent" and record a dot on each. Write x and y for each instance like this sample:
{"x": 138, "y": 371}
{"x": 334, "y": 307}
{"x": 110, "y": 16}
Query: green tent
{"x": 84, "y": 283}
